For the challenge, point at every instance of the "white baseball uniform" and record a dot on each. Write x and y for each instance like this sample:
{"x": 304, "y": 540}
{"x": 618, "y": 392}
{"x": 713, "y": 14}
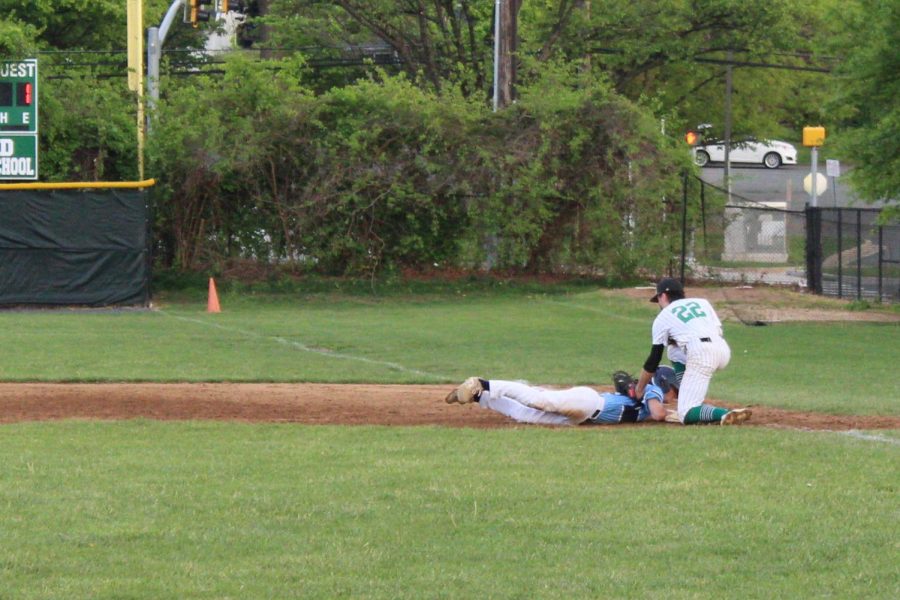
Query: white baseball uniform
{"x": 694, "y": 326}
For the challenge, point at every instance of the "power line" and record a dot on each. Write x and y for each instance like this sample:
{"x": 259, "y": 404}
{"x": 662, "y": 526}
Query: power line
{"x": 741, "y": 63}
{"x": 376, "y": 49}
{"x": 734, "y": 63}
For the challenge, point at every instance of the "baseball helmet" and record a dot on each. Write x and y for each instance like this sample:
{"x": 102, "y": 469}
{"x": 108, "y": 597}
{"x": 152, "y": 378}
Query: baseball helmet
{"x": 668, "y": 286}
{"x": 665, "y": 378}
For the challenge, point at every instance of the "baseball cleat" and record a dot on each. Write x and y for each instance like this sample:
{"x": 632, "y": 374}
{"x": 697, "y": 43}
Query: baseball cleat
{"x": 736, "y": 416}
{"x": 468, "y": 391}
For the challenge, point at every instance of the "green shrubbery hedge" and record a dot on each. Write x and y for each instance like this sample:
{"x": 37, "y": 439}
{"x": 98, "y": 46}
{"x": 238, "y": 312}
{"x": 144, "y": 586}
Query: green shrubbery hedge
{"x": 384, "y": 175}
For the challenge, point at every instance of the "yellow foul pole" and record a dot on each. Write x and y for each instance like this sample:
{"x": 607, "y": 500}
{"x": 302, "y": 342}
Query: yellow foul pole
{"x": 136, "y": 71}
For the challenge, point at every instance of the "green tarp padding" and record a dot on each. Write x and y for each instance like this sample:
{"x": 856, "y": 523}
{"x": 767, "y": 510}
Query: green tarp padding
{"x": 73, "y": 247}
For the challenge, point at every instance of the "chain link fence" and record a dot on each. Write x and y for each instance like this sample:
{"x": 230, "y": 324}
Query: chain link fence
{"x": 736, "y": 239}
{"x": 850, "y": 255}
{"x": 841, "y": 252}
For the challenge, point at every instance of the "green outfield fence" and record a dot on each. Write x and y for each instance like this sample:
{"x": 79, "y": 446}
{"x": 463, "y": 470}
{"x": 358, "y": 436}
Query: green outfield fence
{"x": 75, "y": 244}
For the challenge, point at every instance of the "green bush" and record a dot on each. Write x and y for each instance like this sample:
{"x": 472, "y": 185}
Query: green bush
{"x": 383, "y": 175}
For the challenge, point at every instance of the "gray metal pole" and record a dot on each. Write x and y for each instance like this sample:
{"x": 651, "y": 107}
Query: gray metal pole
{"x": 153, "y": 52}
{"x": 858, "y": 254}
{"x": 684, "y": 201}
{"x": 156, "y": 36}
{"x": 728, "y": 89}
{"x": 815, "y": 169}
{"x": 168, "y": 19}
{"x": 840, "y": 251}
{"x": 880, "y": 260}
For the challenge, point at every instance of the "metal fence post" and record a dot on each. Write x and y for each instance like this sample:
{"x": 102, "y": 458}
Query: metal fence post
{"x": 684, "y": 199}
{"x": 840, "y": 251}
{"x": 880, "y": 259}
{"x": 858, "y": 254}
{"x": 703, "y": 215}
{"x": 812, "y": 235}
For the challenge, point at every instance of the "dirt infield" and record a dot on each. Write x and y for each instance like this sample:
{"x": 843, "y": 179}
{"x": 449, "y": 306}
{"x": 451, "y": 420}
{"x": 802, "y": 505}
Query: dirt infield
{"x": 337, "y": 404}
{"x": 764, "y": 305}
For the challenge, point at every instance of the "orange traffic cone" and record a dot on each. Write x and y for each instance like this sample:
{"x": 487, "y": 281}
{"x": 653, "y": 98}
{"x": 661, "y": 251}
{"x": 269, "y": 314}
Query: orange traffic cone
{"x": 212, "y": 304}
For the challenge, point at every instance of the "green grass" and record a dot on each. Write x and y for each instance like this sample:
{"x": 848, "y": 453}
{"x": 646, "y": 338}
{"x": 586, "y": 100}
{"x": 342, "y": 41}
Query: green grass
{"x": 811, "y": 366}
{"x": 145, "y": 509}
{"x": 562, "y": 335}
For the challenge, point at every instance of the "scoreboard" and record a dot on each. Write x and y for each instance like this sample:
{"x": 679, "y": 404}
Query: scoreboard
{"x": 18, "y": 120}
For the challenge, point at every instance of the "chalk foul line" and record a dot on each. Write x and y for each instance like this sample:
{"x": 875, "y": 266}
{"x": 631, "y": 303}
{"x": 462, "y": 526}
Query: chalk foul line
{"x": 869, "y": 437}
{"x": 304, "y": 348}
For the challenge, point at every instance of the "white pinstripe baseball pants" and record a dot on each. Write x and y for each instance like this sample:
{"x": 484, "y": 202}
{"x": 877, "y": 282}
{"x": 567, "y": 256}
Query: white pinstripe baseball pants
{"x": 703, "y": 359}
{"x": 529, "y": 404}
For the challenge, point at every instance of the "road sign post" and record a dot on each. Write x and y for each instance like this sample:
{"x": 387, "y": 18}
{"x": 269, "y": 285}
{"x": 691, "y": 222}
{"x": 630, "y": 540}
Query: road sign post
{"x": 833, "y": 170}
{"x": 814, "y": 175}
{"x": 19, "y": 120}
{"x": 814, "y": 137}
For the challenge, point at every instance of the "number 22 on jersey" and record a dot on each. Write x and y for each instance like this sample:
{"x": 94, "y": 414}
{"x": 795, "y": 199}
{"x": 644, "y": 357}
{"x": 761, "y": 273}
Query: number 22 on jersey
{"x": 688, "y": 311}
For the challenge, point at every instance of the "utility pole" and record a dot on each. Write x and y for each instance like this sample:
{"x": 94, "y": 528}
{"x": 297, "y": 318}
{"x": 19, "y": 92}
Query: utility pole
{"x": 506, "y": 36}
{"x": 497, "y": 5}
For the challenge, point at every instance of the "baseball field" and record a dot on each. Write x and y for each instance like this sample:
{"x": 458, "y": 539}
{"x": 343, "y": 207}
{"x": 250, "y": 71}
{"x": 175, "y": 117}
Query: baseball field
{"x": 297, "y": 445}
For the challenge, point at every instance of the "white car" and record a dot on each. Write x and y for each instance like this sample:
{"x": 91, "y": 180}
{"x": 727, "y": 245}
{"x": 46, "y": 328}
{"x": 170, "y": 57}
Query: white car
{"x": 770, "y": 153}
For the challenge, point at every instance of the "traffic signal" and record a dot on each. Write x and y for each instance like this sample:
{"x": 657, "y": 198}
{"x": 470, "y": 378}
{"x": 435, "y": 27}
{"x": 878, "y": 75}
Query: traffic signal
{"x": 691, "y": 137}
{"x": 199, "y": 11}
{"x": 223, "y": 6}
{"x": 814, "y": 136}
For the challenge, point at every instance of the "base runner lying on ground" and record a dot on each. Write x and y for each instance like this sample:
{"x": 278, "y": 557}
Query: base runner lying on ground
{"x": 530, "y": 404}
{"x": 573, "y": 406}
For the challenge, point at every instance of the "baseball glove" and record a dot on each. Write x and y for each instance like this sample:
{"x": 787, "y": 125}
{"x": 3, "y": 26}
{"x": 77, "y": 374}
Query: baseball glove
{"x": 624, "y": 384}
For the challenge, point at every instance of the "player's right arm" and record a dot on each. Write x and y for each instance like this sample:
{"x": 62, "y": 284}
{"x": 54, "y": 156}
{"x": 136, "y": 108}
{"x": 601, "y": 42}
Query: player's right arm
{"x": 657, "y": 410}
{"x": 650, "y": 365}
{"x": 653, "y": 401}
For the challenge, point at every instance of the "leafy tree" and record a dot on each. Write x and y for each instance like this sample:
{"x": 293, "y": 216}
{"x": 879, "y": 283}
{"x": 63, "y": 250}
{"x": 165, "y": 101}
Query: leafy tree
{"x": 867, "y": 104}
{"x": 17, "y": 39}
{"x": 578, "y": 176}
{"x": 671, "y": 55}
{"x": 82, "y": 24}
{"x": 651, "y": 51}
{"x": 88, "y": 129}
{"x": 442, "y": 41}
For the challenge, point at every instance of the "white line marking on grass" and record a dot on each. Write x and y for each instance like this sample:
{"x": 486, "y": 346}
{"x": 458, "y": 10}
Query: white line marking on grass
{"x": 595, "y": 309}
{"x": 303, "y": 347}
{"x": 869, "y": 437}
{"x": 854, "y": 433}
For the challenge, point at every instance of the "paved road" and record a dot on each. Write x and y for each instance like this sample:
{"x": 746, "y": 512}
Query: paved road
{"x": 785, "y": 185}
